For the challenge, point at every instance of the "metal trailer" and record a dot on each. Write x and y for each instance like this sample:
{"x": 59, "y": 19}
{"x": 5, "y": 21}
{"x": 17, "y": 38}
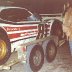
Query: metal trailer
{"x": 40, "y": 50}
{"x": 35, "y": 54}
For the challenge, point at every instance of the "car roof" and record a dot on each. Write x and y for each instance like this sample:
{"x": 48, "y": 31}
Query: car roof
{"x": 7, "y": 7}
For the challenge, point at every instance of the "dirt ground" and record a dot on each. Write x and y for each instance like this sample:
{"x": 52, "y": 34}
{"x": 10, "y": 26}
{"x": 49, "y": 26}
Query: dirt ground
{"x": 62, "y": 63}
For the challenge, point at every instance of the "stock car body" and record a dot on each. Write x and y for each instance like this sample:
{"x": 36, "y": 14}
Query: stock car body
{"x": 18, "y": 26}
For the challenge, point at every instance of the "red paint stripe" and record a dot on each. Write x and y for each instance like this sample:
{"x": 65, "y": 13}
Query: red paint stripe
{"x": 8, "y": 29}
{"x": 16, "y": 35}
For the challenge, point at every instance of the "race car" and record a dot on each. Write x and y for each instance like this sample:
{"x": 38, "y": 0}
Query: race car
{"x": 19, "y": 26}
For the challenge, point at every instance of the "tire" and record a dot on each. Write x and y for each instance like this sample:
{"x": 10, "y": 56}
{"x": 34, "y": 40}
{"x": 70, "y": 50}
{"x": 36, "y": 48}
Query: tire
{"x": 57, "y": 29}
{"x": 51, "y": 51}
{"x": 36, "y": 58}
{"x": 5, "y": 48}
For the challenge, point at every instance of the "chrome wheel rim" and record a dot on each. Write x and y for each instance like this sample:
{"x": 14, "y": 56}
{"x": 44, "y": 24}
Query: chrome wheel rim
{"x": 2, "y": 49}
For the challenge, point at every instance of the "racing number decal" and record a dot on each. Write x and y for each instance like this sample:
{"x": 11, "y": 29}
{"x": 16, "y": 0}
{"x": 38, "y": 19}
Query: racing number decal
{"x": 46, "y": 29}
{"x": 42, "y": 30}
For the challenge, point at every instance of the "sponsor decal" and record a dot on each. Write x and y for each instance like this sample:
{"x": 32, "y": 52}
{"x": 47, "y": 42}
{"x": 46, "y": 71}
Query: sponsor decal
{"x": 9, "y": 29}
{"x": 16, "y": 32}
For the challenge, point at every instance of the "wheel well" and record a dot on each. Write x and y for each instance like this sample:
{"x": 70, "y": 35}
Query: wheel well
{"x": 3, "y": 32}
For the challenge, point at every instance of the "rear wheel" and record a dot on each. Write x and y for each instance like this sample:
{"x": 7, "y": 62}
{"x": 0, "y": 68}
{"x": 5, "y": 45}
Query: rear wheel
{"x": 36, "y": 59}
{"x": 5, "y": 48}
{"x": 51, "y": 51}
{"x": 56, "y": 29}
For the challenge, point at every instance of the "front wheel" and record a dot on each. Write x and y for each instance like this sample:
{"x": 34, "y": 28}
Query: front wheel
{"x": 5, "y": 48}
{"x": 36, "y": 59}
{"x": 51, "y": 51}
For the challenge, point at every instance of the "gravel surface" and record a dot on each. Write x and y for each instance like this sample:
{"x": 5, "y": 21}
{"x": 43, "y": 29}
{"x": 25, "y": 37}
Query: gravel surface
{"x": 62, "y": 63}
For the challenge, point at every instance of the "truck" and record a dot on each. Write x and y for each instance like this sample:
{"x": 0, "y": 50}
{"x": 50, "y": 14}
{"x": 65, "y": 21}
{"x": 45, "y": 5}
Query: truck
{"x": 33, "y": 38}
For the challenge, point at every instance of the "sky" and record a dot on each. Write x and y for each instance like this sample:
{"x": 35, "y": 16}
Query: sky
{"x": 38, "y": 6}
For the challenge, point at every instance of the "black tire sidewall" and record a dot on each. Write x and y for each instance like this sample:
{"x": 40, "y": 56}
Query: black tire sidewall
{"x": 56, "y": 29}
{"x": 8, "y": 48}
{"x": 32, "y": 65}
{"x": 50, "y": 43}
